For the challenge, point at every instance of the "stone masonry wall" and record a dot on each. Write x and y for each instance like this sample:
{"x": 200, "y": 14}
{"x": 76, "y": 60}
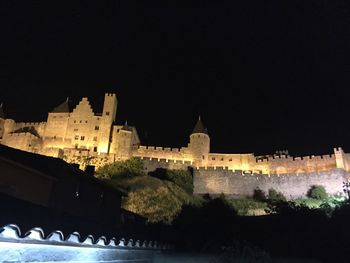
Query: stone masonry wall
{"x": 239, "y": 184}
{"x": 162, "y": 153}
{"x": 306, "y": 164}
{"x": 151, "y": 164}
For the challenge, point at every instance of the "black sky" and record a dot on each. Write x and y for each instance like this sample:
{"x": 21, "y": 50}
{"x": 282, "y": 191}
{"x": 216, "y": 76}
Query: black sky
{"x": 264, "y": 75}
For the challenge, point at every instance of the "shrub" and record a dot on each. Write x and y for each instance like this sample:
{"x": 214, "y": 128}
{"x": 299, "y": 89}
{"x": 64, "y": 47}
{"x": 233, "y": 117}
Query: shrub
{"x": 317, "y": 192}
{"x": 182, "y": 178}
{"x": 259, "y": 195}
{"x": 162, "y": 204}
{"x": 244, "y": 207}
{"x": 207, "y": 197}
{"x": 275, "y": 196}
{"x": 129, "y": 168}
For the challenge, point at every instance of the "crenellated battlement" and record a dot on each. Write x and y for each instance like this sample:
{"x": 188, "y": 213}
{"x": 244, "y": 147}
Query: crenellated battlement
{"x": 166, "y": 153}
{"x": 22, "y": 134}
{"x": 251, "y": 173}
{"x": 240, "y": 183}
{"x": 165, "y": 161}
{"x": 156, "y": 148}
{"x": 262, "y": 159}
{"x": 30, "y": 124}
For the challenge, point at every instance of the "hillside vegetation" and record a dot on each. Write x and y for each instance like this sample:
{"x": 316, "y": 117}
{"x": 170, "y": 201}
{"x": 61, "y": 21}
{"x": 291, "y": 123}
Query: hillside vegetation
{"x": 159, "y": 196}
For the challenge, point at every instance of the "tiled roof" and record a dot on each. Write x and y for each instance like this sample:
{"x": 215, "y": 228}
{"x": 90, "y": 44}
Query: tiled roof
{"x": 64, "y": 107}
{"x": 199, "y": 128}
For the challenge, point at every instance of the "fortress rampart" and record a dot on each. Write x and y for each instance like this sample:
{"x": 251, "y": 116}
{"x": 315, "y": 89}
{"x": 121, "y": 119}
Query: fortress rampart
{"x": 26, "y": 140}
{"x": 305, "y": 164}
{"x": 242, "y": 184}
{"x": 151, "y": 164}
{"x": 38, "y": 126}
{"x": 87, "y": 138}
{"x": 177, "y": 154}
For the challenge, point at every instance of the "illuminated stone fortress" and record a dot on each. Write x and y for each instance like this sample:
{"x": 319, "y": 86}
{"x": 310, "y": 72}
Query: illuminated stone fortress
{"x": 87, "y": 138}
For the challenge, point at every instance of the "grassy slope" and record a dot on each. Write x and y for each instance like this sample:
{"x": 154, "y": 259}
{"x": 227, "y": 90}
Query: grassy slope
{"x": 158, "y": 200}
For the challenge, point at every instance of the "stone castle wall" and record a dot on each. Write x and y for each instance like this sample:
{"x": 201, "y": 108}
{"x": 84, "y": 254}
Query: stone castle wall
{"x": 24, "y": 141}
{"x": 151, "y": 164}
{"x": 306, "y": 164}
{"x": 38, "y": 126}
{"x": 87, "y": 138}
{"x": 176, "y": 154}
{"x": 233, "y": 161}
{"x": 239, "y": 184}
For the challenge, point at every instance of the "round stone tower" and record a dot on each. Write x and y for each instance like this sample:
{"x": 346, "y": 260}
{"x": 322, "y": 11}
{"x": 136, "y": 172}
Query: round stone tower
{"x": 199, "y": 145}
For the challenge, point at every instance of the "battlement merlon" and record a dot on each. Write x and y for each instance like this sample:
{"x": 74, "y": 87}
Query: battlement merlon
{"x": 111, "y": 95}
{"x": 294, "y": 158}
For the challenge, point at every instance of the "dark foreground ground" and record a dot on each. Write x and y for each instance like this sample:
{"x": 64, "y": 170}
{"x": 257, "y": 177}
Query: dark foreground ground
{"x": 292, "y": 236}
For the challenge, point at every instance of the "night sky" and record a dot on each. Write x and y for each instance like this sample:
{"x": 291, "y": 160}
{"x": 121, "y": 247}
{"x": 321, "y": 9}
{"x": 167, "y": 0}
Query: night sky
{"x": 264, "y": 75}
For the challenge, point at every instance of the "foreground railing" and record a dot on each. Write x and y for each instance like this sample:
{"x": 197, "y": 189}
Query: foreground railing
{"x": 34, "y": 246}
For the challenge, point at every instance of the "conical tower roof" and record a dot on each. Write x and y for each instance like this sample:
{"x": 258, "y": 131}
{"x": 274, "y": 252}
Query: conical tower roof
{"x": 199, "y": 128}
{"x": 2, "y": 115}
{"x": 64, "y": 107}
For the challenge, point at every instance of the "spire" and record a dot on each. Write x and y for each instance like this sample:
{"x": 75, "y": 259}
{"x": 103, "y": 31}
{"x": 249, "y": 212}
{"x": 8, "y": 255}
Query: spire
{"x": 126, "y": 127}
{"x": 2, "y": 115}
{"x": 199, "y": 128}
{"x": 63, "y": 107}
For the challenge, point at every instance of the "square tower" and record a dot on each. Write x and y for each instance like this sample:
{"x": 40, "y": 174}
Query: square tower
{"x": 107, "y": 120}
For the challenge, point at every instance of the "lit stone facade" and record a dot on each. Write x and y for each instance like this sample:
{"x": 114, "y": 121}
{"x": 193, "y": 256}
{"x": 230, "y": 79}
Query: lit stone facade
{"x": 84, "y": 137}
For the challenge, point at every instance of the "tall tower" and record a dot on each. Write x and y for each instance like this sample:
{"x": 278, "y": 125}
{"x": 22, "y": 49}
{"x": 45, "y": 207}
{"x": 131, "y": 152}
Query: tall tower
{"x": 107, "y": 119}
{"x": 199, "y": 145}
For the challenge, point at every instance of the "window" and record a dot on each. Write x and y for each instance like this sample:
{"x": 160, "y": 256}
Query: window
{"x": 76, "y": 146}
{"x": 117, "y": 130}
{"x": 213, "y": 158}
{"x": 107, "y": 113}
{"x": 95, "y": 149}
{"x": 85, "y": 121}
{"x": 97, "y": 128}
{"x": 75, "y": 121}
{"x": 222, "y": 159}
{"x": 203, "y": 157}
{"x": 75, "y": 129}
{"x": 80, "y": 121}
{"x": 95, "y": 139}
{"x": 230, "y": 160}
{"x": 76, "y": 137}
{"x": 82, "y": 138}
